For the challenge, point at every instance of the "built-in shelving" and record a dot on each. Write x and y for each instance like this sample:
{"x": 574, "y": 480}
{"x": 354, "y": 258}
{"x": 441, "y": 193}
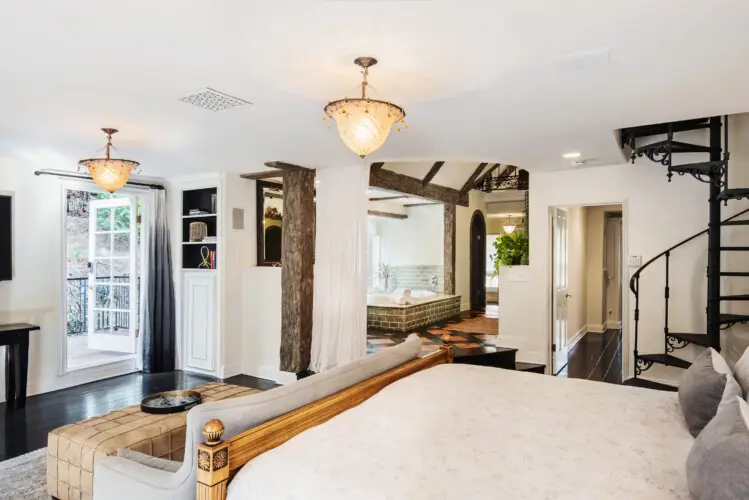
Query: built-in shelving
{"x": 194, "y": 253}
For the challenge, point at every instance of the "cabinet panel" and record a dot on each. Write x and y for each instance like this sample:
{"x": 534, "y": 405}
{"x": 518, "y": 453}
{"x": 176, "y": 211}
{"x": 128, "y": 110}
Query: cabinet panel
{"x": 199, "y": 319}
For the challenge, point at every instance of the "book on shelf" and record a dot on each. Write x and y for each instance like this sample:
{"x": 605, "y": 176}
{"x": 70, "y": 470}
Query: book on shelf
{"x": 210, "y": 239}
{"x": 214, "y": 203}
{"x": 213, "y": 259}
{"x": 197, "y": 211}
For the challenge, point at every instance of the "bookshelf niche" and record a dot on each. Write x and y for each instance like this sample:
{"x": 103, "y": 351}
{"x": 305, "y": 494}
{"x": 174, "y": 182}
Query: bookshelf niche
{"x": 200, "y": 206}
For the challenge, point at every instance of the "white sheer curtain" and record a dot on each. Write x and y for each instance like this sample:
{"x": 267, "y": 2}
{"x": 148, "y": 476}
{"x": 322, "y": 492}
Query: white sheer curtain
{"x": 339, "y": 329}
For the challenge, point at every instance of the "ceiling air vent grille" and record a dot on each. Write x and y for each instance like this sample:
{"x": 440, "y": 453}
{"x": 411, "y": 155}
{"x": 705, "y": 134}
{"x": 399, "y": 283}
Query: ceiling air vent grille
{"x": 213, "y": 100}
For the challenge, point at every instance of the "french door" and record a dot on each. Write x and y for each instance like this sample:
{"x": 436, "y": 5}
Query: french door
{"x": 560, "y": 284}
{"x": 112, "y": 275}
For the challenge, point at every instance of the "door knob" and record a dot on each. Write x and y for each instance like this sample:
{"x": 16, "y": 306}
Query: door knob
{"x": 567, "y": 295}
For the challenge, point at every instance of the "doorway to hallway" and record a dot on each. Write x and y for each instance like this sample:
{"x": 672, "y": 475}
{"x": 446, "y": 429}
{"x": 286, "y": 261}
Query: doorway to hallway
{"x": 478, "y": 261}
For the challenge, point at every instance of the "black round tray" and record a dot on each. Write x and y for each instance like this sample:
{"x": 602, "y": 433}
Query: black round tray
{"x": 170, "y": 402}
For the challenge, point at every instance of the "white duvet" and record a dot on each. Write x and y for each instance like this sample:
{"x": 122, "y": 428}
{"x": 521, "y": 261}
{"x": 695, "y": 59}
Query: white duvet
{"x": 469, "y": 432}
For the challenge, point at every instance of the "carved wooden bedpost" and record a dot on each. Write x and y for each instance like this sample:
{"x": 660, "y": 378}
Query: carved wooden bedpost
{"x": 447, "y": 346}
{"x": 213, "y": 463}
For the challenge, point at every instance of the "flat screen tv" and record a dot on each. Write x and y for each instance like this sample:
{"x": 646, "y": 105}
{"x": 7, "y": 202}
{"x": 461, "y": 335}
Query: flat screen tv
{"x": 6, "y": 238}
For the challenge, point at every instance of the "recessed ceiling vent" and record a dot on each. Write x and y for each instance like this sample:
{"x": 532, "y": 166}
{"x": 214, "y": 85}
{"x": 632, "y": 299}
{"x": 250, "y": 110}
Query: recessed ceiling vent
{"x": 213, "y": 100}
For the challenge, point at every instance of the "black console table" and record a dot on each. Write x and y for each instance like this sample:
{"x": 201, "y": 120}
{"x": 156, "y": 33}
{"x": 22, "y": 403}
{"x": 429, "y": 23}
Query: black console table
{"x": 16, "y": 339}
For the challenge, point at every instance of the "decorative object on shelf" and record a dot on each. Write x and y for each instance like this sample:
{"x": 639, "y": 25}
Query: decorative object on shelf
{"x": 198, "y": 231}
{"x": 210, "y": 239}
{"x": 364, "y": 124}
{"x": 509, "y": 228}
{"x": 170, "y": 402}
{"x": 214, "y": 203}
{"x": 384, "y": 272}
{"x": 272, "y": 213}
{"x": 109, "y": 173}
{"x": 510, "y": 250}
{"x": 197, "y": 211}
{"x": 205, "y": 254}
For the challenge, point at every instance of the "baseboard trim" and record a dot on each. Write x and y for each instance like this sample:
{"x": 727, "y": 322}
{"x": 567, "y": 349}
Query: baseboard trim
{"x": 596, "y": 328}
{"x": 270, "y": 373}
{"x": 613, "y": 325}
{"x": 577, "y": 338}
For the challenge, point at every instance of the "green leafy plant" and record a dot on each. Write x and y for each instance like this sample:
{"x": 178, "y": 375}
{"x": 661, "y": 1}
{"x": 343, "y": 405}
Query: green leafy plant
{"x": 510, "y": 250}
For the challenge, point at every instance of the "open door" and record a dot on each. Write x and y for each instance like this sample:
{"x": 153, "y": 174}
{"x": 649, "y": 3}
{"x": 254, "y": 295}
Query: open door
{"x": 112, "y": 275}
{"x": 560, "y": 293}
{"x": 478, "y": 261}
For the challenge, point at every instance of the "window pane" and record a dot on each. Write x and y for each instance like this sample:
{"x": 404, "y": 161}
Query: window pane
{"x": 104, "y": 219}
{"x": 120, "y": 297}
{"x": 102, "y": 293}
{"x": 121, "y": 245}
{"x": 103, "y": 243}
{"x": 102, "y": 270}
{"x": 121, "y": 270}
{"x": 121, "y": 218}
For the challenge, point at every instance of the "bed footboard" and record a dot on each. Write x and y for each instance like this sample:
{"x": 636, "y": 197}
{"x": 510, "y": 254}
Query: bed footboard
{"x": 219, "y": 461}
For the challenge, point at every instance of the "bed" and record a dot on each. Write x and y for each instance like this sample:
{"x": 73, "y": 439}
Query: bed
{"x": 461, "y": 431}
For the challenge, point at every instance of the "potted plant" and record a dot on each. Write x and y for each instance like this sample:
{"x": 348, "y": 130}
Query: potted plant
{"x": 510, "y": 250}
{"x": 384, "y": 272}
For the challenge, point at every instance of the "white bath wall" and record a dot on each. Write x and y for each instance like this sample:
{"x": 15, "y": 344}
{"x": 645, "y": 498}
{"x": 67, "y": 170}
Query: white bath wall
{"x": 417, "y": 240}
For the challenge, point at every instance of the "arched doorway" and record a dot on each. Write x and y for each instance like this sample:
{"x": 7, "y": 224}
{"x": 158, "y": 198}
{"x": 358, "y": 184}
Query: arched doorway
{"x": 478, "y": 261}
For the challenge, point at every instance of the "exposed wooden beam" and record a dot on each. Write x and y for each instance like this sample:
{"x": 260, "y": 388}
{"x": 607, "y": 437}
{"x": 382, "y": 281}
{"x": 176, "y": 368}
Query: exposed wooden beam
{"x": 472, "y": 179}
{"x": 386, "y": 198}
{"x": 280, "y": 165}
{"x": 409, "y": 205}
{"x": 392, "y": 181}
{"x": 486, "y": 175}
{"x": 389, "y": 215}
{"x": 273, "y": 174}
{"x": 508, "y": 171}
{"x": 376, "y": 167}
{"x": 449, "y": 249}
{"x": 432, "y": 172}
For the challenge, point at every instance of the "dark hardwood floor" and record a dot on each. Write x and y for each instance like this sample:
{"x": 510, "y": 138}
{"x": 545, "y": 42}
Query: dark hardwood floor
{"x": 598, "y": 356}
{"x": 25, "y": 430}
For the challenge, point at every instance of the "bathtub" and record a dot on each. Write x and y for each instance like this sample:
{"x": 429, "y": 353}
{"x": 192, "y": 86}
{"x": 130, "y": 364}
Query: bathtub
{"x": 426, "y": 308}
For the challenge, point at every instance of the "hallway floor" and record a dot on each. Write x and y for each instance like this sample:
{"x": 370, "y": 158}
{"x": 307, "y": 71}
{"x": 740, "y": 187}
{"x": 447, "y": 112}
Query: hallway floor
{"x": 598, "y": 357}
{"x": 471, "y": 329}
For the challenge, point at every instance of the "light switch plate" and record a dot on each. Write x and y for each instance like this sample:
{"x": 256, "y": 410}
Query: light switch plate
{"x": 635, "y": 260}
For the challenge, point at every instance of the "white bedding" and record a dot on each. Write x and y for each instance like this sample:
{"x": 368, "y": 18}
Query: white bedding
{"x": 460, "y": 431}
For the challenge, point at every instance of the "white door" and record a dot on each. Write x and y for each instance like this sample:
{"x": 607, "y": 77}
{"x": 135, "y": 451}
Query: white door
{"x": 560, "y": 293}
{"x": 112, "y": 276}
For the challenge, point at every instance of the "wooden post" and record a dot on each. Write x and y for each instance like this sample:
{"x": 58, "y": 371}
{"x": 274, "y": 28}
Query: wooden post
{"x": 449, "y": 243}
{"x": 297, "y": 257}
{"x": 213, "y": 463}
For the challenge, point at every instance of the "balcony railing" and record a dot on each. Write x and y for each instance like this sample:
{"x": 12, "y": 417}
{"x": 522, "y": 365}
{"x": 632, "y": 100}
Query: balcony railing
{"x": 78, "y": 295}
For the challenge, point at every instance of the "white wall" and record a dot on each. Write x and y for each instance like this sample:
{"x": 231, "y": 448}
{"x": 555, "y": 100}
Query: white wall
{"x": 463, "y": 246}
{"x": 656, "y": 215}
{"x": 35, "y": 293}
{"x": 417, "y": 240}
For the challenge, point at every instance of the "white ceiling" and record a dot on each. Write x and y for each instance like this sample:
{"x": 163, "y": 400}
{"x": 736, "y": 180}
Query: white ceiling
{"x": 511, "y": 81}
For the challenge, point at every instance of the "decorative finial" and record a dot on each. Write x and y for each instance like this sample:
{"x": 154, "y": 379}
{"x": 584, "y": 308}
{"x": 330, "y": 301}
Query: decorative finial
{"x": 446, "y": 339}
{"x": 212, "y": 431}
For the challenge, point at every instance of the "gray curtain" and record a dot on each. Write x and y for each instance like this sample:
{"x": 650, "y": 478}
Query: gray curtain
{"x": 159, "y": 316}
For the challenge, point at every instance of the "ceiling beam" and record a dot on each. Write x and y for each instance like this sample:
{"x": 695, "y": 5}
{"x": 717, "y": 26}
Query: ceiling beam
{"x": 392, "y": 181}
{"x": 432, "y": 172}
{"x": 486, "y": 175}
{"x": 389, "y": 215}
{"x": 376, "y": 167}
{"x": 508, "y": 171}
{"x": 280, "y": 165}
{"x": 409, "y": 205}
{"x": 271, "y": 174}
{"x": 386, "y": 198}
{"x": 472, "y": 179}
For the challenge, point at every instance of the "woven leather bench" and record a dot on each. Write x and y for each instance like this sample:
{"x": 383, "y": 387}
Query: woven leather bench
{"x": 73, "y": 450}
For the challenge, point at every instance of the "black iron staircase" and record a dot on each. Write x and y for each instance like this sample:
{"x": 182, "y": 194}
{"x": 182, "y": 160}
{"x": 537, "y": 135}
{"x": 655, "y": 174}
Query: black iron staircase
{"x": 714, "y": 172}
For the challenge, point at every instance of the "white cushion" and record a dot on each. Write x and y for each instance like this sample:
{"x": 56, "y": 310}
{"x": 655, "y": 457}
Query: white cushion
{"x": 741, "y": 372}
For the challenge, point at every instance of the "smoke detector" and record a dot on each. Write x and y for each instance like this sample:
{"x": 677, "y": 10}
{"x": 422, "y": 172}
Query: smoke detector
{"x": 213, "y": 100}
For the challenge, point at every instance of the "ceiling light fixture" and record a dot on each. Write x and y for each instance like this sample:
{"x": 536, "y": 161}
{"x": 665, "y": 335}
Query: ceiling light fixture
{"x": 364, "y": 124}
{"x": 509, "y": 227}
{"x": 571, "y": 156}
{"x": 109, "y": 173}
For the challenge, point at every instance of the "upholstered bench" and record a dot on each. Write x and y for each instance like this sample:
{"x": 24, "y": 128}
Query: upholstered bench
{"x": 73, "y": 449}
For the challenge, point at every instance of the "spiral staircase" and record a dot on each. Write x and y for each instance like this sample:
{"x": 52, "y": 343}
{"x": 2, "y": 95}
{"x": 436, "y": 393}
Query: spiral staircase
{"x": 714, "y": 172}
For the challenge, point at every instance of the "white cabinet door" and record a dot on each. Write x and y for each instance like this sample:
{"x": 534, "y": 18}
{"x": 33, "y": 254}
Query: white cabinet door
{"x": 199, "y": 319}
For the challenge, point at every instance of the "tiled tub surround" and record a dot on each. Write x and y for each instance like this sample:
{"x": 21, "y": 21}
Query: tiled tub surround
{"x": 405, "y": 318}
{"x": 417, "y": 277}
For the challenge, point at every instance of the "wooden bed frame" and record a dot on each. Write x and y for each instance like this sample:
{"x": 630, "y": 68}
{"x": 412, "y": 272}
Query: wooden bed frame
{"x": 219, "y": 461}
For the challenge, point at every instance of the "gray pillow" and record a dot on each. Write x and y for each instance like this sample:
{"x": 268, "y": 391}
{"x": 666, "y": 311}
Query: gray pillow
{"x": 741, "y": 372}
{"x": 718, "y": 463}
{"x": 706, "y": 384}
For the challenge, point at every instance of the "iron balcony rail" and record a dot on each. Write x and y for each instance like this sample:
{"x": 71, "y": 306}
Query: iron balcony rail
{"x": 634, "y": 282}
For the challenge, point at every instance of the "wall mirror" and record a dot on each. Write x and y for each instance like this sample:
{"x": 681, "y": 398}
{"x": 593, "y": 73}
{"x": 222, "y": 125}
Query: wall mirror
{"x": 269, "y": 223}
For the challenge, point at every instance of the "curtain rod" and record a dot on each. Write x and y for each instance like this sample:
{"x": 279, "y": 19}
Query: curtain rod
{"x": 88, "y": 178}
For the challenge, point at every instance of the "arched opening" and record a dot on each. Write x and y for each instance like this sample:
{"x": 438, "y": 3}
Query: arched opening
{"x": 478, "y": 261}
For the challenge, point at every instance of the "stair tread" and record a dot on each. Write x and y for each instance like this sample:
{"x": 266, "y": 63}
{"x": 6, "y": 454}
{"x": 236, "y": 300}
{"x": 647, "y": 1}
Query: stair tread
{"x": 693, "y": 338}
{"x": 734, "y": 273}
{"x": 729, "y": 194}
{"x": 733, "y": 318}
{"x": 735, "y": 223}
{"x": 665, "y": 359}
{"x": 734, "y": 249}
{"x": 649, "y": 384}
{"x": 696, "y": 167}
{"x": 735, "y": 297}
